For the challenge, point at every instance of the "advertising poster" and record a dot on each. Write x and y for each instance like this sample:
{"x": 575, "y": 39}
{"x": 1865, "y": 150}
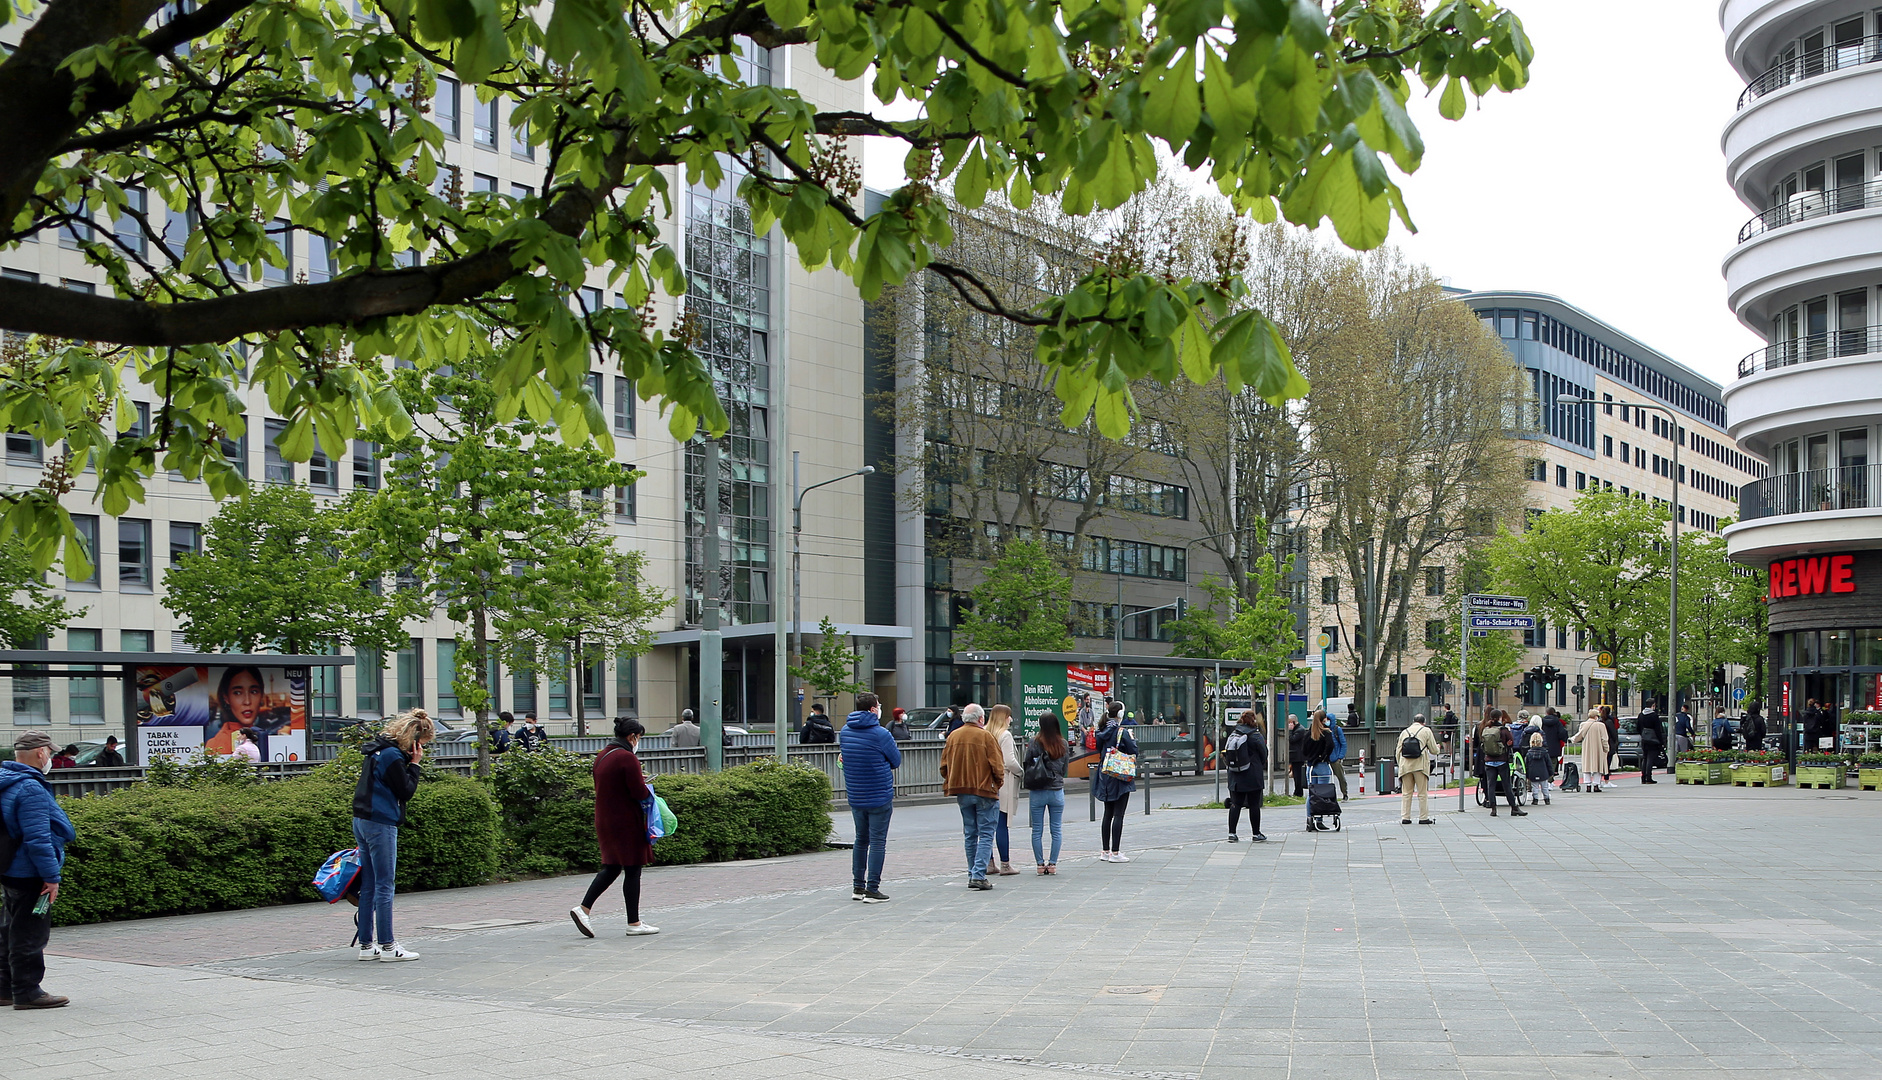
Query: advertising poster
{"x": 1073, "y": 693}
{"x": 182, "y": 709}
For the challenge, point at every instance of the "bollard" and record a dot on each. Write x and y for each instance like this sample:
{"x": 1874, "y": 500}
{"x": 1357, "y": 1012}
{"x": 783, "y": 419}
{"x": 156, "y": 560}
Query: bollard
{"x": 1362, "y": 774}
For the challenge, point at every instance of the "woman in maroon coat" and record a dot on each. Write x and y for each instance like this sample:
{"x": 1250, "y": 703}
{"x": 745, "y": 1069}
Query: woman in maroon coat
{"x": 621, "y": 826}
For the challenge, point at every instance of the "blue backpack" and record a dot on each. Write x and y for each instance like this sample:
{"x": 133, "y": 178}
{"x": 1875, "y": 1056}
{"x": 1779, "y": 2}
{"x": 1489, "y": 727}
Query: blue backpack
{"x": 338, "y": 876}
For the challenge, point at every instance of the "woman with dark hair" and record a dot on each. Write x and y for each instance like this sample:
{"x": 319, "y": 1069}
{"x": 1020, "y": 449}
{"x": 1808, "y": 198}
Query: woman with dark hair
{"x": 620, "y": 826}
{"x": 240, "y": 697}
{"x": 1113, "y": 791}
{"x": 1044, "y": 775}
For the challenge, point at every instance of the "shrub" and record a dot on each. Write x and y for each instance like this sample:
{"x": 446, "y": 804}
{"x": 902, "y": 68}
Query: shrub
{"x": 168, "y": 850}
{"x": 547, "y": 801}
{"x": 751, "y": 812}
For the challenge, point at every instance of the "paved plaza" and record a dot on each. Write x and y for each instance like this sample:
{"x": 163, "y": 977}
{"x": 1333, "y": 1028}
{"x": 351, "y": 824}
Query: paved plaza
{"x": 1640, "y": 932}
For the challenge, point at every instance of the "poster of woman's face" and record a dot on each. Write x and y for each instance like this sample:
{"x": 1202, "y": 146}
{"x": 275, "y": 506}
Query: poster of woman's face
{"x": 200, "y": 707}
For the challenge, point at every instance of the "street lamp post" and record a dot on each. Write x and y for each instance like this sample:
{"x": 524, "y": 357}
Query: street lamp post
{"x": 1672, "y": 605}
{"x": 781, "y": 741}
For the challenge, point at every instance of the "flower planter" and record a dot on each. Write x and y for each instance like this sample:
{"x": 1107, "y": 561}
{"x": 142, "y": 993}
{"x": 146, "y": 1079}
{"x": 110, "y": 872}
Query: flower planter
{"x": 1749, "y": 775}
{"x": 1869, "y": 779}
{"x": 1701, "y": 772}
{"x": 1822, "y": 776}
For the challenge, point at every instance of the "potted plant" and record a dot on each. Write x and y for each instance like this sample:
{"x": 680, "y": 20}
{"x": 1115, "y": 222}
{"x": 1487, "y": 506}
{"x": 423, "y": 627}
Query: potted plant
{"x": 1704, "y": 767}
{"x": 1816, "y": 769}
{"x": 1869, "y": 772}
{"x": 1759, "y": 768}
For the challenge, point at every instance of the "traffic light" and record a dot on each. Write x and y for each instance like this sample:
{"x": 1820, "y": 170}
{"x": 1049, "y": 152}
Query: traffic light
{"x": 1182, "y": 608}
{"x": 1718, "y": 682}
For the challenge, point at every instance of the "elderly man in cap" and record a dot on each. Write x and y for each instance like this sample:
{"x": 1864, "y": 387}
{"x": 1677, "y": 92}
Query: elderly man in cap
{"x": 36, "y": 832}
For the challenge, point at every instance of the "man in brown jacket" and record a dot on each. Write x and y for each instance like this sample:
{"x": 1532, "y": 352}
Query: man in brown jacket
{"x": 972, "y": 771}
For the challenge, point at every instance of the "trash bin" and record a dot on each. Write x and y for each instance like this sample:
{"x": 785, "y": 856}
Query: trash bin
{"x": 1387, "y": 776}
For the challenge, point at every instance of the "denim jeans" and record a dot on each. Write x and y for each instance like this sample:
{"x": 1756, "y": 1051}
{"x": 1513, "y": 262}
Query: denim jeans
{"x": 979, "y": 817}
{"x": 872, "y": 843}
{"x": 378, "y": 873}
{"x": 1044, "y": 802}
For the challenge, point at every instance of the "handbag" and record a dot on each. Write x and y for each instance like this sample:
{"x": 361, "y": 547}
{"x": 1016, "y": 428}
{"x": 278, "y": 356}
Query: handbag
{"x": 1119, "y": 764}
{"x": 1038, "y": 775}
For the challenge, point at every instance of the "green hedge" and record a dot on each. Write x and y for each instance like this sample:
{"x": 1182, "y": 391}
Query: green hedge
{"x": 167, "y": 850}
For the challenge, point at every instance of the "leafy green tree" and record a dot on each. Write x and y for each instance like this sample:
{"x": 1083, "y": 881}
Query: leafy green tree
{"x": 1202, "y": 631}
{"x": 279, "y": 569}
{"x": 1600, "y": 565}
{"x": 1023, "y": 604}
{"x": 1492, "y": 658}
{"x": 29, "y": 607}
{"x": 830, "y": 668}
{"x": 1260, "y": 630}
{"x": 585, "y": 597}
{"x": 476, "y": 501}
{"x": 210, "y": 135}
{"x": 1722, "y": 616}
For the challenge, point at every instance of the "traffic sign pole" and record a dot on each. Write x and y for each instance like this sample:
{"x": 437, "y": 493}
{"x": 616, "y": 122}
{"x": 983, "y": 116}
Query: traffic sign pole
{"x": 1463, "y": 663}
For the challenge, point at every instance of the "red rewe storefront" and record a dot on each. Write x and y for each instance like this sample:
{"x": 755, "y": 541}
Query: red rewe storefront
{"x": 1826, "y": 635}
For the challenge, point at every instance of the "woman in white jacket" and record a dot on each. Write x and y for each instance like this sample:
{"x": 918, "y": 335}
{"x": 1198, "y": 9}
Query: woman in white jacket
{"x": 1000, "y": 726}
{"x": 1593, "y": 737}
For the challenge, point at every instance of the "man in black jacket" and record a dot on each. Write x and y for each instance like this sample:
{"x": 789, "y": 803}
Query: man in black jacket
{"x": 1245, "y": 758}
{"x": 1555, "y": 735}
{"x": 1297, "y": 755}
{"x": 817, "y": 728}
{"x": 1752, "y": 728}
{"x": 1652, "y": 743}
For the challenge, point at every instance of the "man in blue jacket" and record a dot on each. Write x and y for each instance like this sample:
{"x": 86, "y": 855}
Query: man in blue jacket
{"x": 870, "y": 758}
{"x": 37, "y": 832}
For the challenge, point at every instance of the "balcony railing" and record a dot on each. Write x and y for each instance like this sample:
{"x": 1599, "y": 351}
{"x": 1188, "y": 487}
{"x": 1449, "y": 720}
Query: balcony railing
{"x": 1851, "y": 487}
{"x": 1855, "y": 342}
{"x": 1814, "y": 204}
{"x": 1811, "y": 64}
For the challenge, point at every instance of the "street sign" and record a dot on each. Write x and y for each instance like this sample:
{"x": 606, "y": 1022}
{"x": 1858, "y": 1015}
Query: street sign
{"x": 1738, "y": 693}
{"x": 1502, "y": 622}
{"x": 1602, "y": 674}
{"x": 1605, "y": 660}
{"x": 1738, "y": 683}
{"x": 1486, "y": 602}
{"x": 1323, "y": 641}
{"x": 1480, "y": 633}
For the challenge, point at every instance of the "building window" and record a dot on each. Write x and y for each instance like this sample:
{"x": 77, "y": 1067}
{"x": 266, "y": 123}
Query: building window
{"x": 366, "y": 466}
{"x": 1333, "y": 638}
{"x": 627, "y": 685}
{"x": 410, "y": 665}
{"x": 86, "y": 525}
{"x": 559, "y": 682}
{"x": 133, "y": 555}
{"x": 186, "y": 538}
{"x": 1434, "y": 632}
{"x": 523, "y": 689}
{"x": 1538, "y": 470}
{"x": 137, "y": 640}
{"x": 85, "y": 698}
{"x": 321, "y": 472}
{"x": 1329, "y": 590}
{"x": 235, "y": 451}
{"x": 447, "y": 676}
{"x": 1607, "y": 445}
{"x": 275, "y": 468}
{"x": 484, "y": 128}
{"x": 129, "y": 228}
{"x": 1434, "y": 581}
{"x": 369, "y": 687}
{"x": 519, "y": 140}
{"x": 323, "y": 263}
{"x": 1581, "y": 481}
{"x": 23, "y": 449}
{"x": 1434, "y": 686}
{"x": 483, "y": 182}
{"x": 1561, "y": 637}
{"x": 281, "y": 235}
{"x": 1561, "y": 476}
{"x": 446, "y": 108}
{"x": 626, "y": 505}
{"x": 623, "y": 406}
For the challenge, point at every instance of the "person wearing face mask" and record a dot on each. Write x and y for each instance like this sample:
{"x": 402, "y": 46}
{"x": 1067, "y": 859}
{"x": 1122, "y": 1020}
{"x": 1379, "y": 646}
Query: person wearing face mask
{"x": 35, "y": 833}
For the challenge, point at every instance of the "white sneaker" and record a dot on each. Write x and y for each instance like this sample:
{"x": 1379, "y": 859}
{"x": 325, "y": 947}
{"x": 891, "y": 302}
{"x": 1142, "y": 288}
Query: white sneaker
{"x": 1104, "y": 856}
{"x": 395, "y": 952}
{"x": 581, "y": 921}
{"x": 369, "y": 952}
{"x": 1120, "y": 857}
{"x": 642, "y": 930}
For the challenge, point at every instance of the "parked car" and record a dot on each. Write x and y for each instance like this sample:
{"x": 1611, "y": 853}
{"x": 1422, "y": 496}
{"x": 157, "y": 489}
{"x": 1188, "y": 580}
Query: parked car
{"x": 927, "y": 718}
{"x": 1629, "y": 749}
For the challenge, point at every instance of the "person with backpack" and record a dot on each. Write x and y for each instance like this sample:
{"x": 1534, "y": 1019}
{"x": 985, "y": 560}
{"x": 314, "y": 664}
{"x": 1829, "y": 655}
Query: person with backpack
{"x": 33, "y": 834}
{"x": 870, "y": 758}
{"x": 1044, "y": 776}
{"x": 1721, "y": 730}
{"x": 1417, "y": 746}
{"x": 1537, "y": 767}
{"x": 817, "y": 729}
{"x": 1493, "y": 741}
{"x": 388, "y": 776}
{"x": 898, "y": 725}
{"x": 1752, "y": 727}
{"x": 1111, "y": 790}
{"x": 1245, "y": 757}
{"x": 1316, "y": 747}
{"x": 620, "y": 827}
{"x": 531, "y": 736}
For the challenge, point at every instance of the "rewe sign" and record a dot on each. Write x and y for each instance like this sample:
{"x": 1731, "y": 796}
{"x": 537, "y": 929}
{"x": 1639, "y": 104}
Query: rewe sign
{"x": 1811, "y": 576}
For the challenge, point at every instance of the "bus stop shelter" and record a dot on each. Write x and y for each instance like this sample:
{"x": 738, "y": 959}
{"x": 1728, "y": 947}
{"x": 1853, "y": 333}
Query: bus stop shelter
{"x": 176, "y": 704}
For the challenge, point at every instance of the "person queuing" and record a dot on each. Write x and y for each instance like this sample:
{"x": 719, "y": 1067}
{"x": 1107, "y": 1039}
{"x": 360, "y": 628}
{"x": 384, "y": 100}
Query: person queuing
{"x": 530, "y": 736}
{"x": 1613, "y": 725}
{"x": 66, "y": 758}
{"x": 1495, "y": 743}
{"x": 870, "y": 758}
{"x": 1316, "y": 758}
{"x": 1593, "y": 738}
{"x": 1752, "y": 727}
{"x": 1652, "y": 744}
{"x": 972, "y": 772}
{"x": 1296, "y": 760}
{"x": 1417, "y": 746}
{"x": 1537, "y": 767}
{"x": 387, "y": 778}
{"x": 31, "y": 815}
{"x": 1044, "y": 776}
{"x": 817, "y": 729}
{"x": 1113, "y": 791}
{"x": 685, "y": 734}
{"x": 110, "y": 757}
{"x": 898, "y": 725}
{"x": 1000, "y": 725}
{"x": 1554, "y": 737}
{"x": 621, "y": 793}
{"x": 1245, "y": 759}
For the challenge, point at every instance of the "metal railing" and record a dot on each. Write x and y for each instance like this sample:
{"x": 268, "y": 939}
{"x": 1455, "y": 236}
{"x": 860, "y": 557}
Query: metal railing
{"x": 1811, "y": 64}
{"x": 1806, "y": 205}
{"x": 1852, "y": 487}
{"x": 1859, "y": 341}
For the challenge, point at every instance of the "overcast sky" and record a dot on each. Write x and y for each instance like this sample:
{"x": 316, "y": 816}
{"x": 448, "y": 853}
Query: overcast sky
{"x": 1601, "y": 182}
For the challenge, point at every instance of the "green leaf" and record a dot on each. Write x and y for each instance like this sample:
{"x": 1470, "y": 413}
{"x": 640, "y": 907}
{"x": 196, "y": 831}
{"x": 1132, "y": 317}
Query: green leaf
{"x": 1451, "y": 102}
{"x": 1174, "y": 105}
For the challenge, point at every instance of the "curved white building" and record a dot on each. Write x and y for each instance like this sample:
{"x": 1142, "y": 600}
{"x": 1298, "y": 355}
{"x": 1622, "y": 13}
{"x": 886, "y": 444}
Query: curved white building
{"x": 1804, "y": 153}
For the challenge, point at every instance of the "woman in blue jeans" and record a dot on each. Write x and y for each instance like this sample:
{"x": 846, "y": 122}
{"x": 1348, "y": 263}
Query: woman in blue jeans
{"x": 1047, "y": 756}
{"x": 387, "y": 778}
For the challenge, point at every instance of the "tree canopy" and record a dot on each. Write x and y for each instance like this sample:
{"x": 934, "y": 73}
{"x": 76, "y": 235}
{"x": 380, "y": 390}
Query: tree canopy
{"x": 1023, "y": 604}
{"x": 205, "y": 135}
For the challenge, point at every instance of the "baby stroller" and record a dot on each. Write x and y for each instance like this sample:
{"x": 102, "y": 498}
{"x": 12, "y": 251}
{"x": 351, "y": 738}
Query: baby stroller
{"x": 1323, "y": 800}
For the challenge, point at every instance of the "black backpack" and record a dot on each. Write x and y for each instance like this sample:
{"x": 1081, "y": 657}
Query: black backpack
{"x": 1411, "y": 748}
{"x": 1236, "y": 752}
{"x": 9, "y": 844}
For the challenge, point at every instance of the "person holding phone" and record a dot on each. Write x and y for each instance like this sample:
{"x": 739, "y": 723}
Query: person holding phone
{"x": 30, "y": 880}
{"x": 387, "y": 778}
